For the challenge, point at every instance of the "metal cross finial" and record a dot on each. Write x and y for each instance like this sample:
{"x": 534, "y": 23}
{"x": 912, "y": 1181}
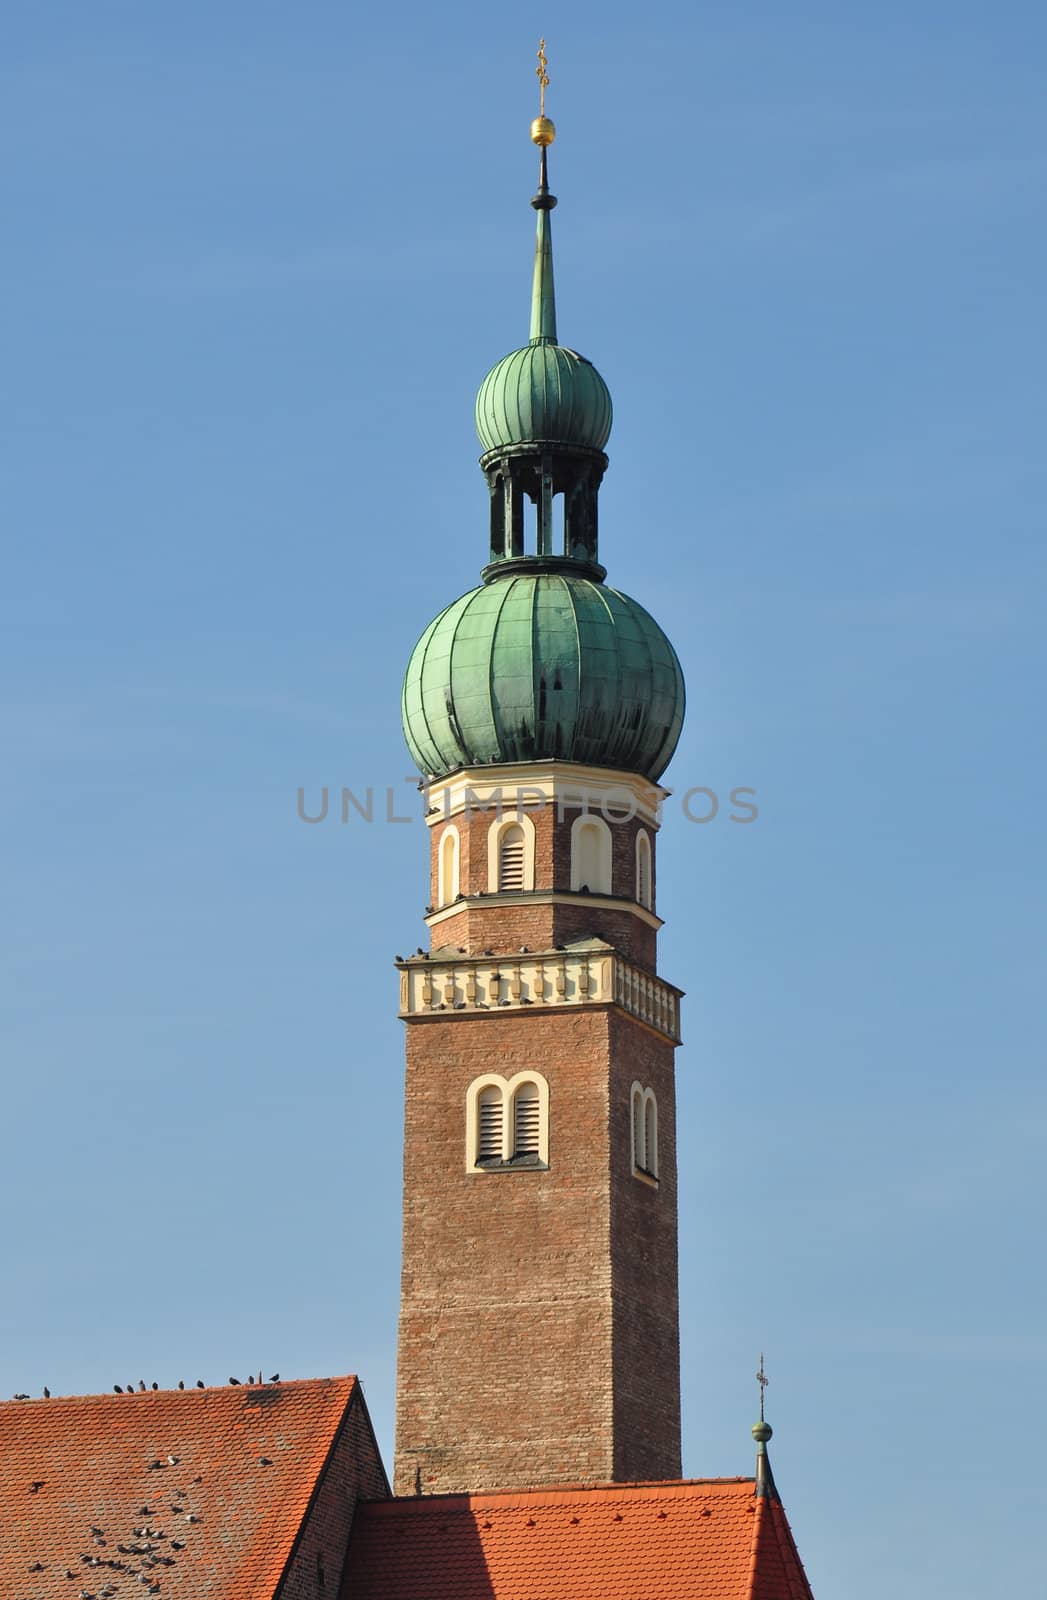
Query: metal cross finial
{"x": 763, "y": 1380}
{"x": 543, "y": 77}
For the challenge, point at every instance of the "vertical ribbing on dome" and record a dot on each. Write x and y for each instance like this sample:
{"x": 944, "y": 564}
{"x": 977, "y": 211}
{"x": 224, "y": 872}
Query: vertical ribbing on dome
{"x": 543, "y": 297}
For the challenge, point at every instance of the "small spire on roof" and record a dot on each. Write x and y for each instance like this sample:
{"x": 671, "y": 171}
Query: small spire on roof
{"x": 766, "y": 1488}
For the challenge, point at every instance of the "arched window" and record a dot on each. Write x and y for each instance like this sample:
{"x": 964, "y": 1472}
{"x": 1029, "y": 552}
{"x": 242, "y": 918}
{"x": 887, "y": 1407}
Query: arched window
{"x": 527, "y": 1120}
{"x": 490, "y": 1136}
{"x": 591, "y": 855}
{"x": 507, "y": 1123}
{"x": 510, "y": 855}
{"x": 644, "y": 1131}
{"x": 447, "y": 867}
{"x": 643, "y": 868}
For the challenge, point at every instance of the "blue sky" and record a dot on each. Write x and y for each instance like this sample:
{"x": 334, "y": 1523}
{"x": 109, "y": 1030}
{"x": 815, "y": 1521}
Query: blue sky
{"x": 257, "y": 262}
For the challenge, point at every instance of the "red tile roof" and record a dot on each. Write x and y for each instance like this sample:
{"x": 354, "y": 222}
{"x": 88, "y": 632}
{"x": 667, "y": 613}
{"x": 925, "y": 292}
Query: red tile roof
{"x": 662, "y": 1541}
{"x": 221, "y": 1523}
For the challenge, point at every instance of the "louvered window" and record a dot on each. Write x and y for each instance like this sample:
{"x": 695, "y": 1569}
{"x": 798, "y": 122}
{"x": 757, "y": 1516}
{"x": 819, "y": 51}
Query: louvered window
{"x": 511, "y": 858}
{"x": 527, "y": 1121}
{"x": 491, "y": 1109}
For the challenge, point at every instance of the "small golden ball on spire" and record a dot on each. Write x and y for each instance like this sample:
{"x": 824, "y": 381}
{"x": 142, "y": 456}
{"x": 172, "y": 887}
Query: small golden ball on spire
{"x": 543, "y": 130}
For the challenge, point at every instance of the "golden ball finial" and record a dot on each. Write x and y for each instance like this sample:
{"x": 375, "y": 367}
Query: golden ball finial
{"x": 543, "y": 131}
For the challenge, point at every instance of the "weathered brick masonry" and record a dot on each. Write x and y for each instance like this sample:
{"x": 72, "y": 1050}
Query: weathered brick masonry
{"x": 503, "y": 923}
{"x": 538, "y": 1337}
{"x": 353, "y": 1472}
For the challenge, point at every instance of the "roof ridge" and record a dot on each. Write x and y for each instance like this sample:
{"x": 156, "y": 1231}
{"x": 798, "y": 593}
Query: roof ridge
{"x": 209, "y": 1388}
{"x": 551, "y": 1494}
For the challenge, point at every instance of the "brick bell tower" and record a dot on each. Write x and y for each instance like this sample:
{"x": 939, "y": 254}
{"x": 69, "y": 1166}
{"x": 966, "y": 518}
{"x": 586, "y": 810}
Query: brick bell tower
{"x": 539, "y": 1337}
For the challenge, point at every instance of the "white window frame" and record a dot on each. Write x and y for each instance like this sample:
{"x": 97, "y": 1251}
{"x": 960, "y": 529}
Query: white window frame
{"x": 588, "y": 820}
{"x": 644, "y": 869}
{"x": 512, "y": 819}
{"x": 643, "y": 1123}
{"x": 508, "y": 1088}
{"x": 446, "y": 892}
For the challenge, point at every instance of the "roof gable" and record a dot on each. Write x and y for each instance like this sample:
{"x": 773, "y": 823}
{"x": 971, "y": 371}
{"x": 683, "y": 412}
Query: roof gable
{"x": 79, "y": 1476}
{"x": 666, "y": 1541}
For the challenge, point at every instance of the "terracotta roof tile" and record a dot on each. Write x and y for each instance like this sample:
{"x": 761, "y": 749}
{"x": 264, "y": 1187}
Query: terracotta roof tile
{"x": 664, "y": 1541}
{"x": 222, "y": 1523}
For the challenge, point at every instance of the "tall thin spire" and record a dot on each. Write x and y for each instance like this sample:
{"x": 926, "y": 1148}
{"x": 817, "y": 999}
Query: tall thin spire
{"x": 543, "y": 295}
{"x": 766, "y": 1489}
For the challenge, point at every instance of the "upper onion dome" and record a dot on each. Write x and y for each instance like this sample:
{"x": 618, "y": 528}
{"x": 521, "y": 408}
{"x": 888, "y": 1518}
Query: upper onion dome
{"x": 543, "y": 392}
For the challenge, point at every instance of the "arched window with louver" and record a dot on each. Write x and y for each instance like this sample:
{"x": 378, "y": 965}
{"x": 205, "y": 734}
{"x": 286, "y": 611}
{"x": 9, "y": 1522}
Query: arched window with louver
{"x": 490, "y": 1124}
{"x": 527, "y": 1120}
{"x": 644, "y": 1131}
{"x": 507, "y": 1123}
{"x": 511, "y": 847}
{"x": 510, "y": 854}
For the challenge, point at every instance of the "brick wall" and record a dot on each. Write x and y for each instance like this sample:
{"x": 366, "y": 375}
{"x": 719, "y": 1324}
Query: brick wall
{"x": 354, "y": 1472}
{"x": 644, "y": 1274}
{"x": 504, "y": 926}
{"x": 538, "y": 1339}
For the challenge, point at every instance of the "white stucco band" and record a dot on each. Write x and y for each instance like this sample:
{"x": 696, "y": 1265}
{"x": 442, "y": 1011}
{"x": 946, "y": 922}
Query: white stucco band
{"x": 523, "y": 787}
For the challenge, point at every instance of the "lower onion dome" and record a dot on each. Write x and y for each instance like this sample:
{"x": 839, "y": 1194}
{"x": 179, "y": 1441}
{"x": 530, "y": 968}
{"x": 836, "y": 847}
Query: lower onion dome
{"x": 543, "y": 666}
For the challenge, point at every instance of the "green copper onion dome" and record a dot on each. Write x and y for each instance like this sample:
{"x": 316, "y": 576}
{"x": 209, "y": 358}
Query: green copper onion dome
{"x": 543, "y": 391}
{"x": 543, "y": 666}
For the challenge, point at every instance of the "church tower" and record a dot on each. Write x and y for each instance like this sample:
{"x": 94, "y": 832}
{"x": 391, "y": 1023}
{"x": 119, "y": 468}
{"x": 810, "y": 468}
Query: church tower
{"x": 539, "y": 1324}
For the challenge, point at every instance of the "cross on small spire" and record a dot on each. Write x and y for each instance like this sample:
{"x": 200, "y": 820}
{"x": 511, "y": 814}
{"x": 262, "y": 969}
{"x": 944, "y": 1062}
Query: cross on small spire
{"x": 763, "y": 1380}
{"x": 543, "y": 77}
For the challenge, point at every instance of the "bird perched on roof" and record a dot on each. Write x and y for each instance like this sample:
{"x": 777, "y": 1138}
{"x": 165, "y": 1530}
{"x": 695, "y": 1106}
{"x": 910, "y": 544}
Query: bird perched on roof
{"x": 47, "y": 1392}
{"x": 181, "y": 1383}
{"x": 36, "y": 1485}
{"x": 141, "y": 1386}
{"x": 172, "y": 1461}
{"x": 265, "y": 1461}
{"x": 21, "y": 1397}
{"x": 274, "y": 1377}
{"x": 117, "y": 1388}
{"x": 199, "y": 1383}
{"x": 155, "y": 1386}
{"x": 234, "y": 1380}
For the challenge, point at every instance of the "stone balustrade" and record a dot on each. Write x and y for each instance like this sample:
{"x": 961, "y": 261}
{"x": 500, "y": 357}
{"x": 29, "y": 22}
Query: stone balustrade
{"x": 547, "y": 979}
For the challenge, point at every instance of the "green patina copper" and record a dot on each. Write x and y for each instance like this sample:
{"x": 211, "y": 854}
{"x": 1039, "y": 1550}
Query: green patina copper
{"x": 543, "y": 392}
{"x": 543, "y": 662}
{"x": 543, "y": 666}
{"x": 543, "y": 295}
